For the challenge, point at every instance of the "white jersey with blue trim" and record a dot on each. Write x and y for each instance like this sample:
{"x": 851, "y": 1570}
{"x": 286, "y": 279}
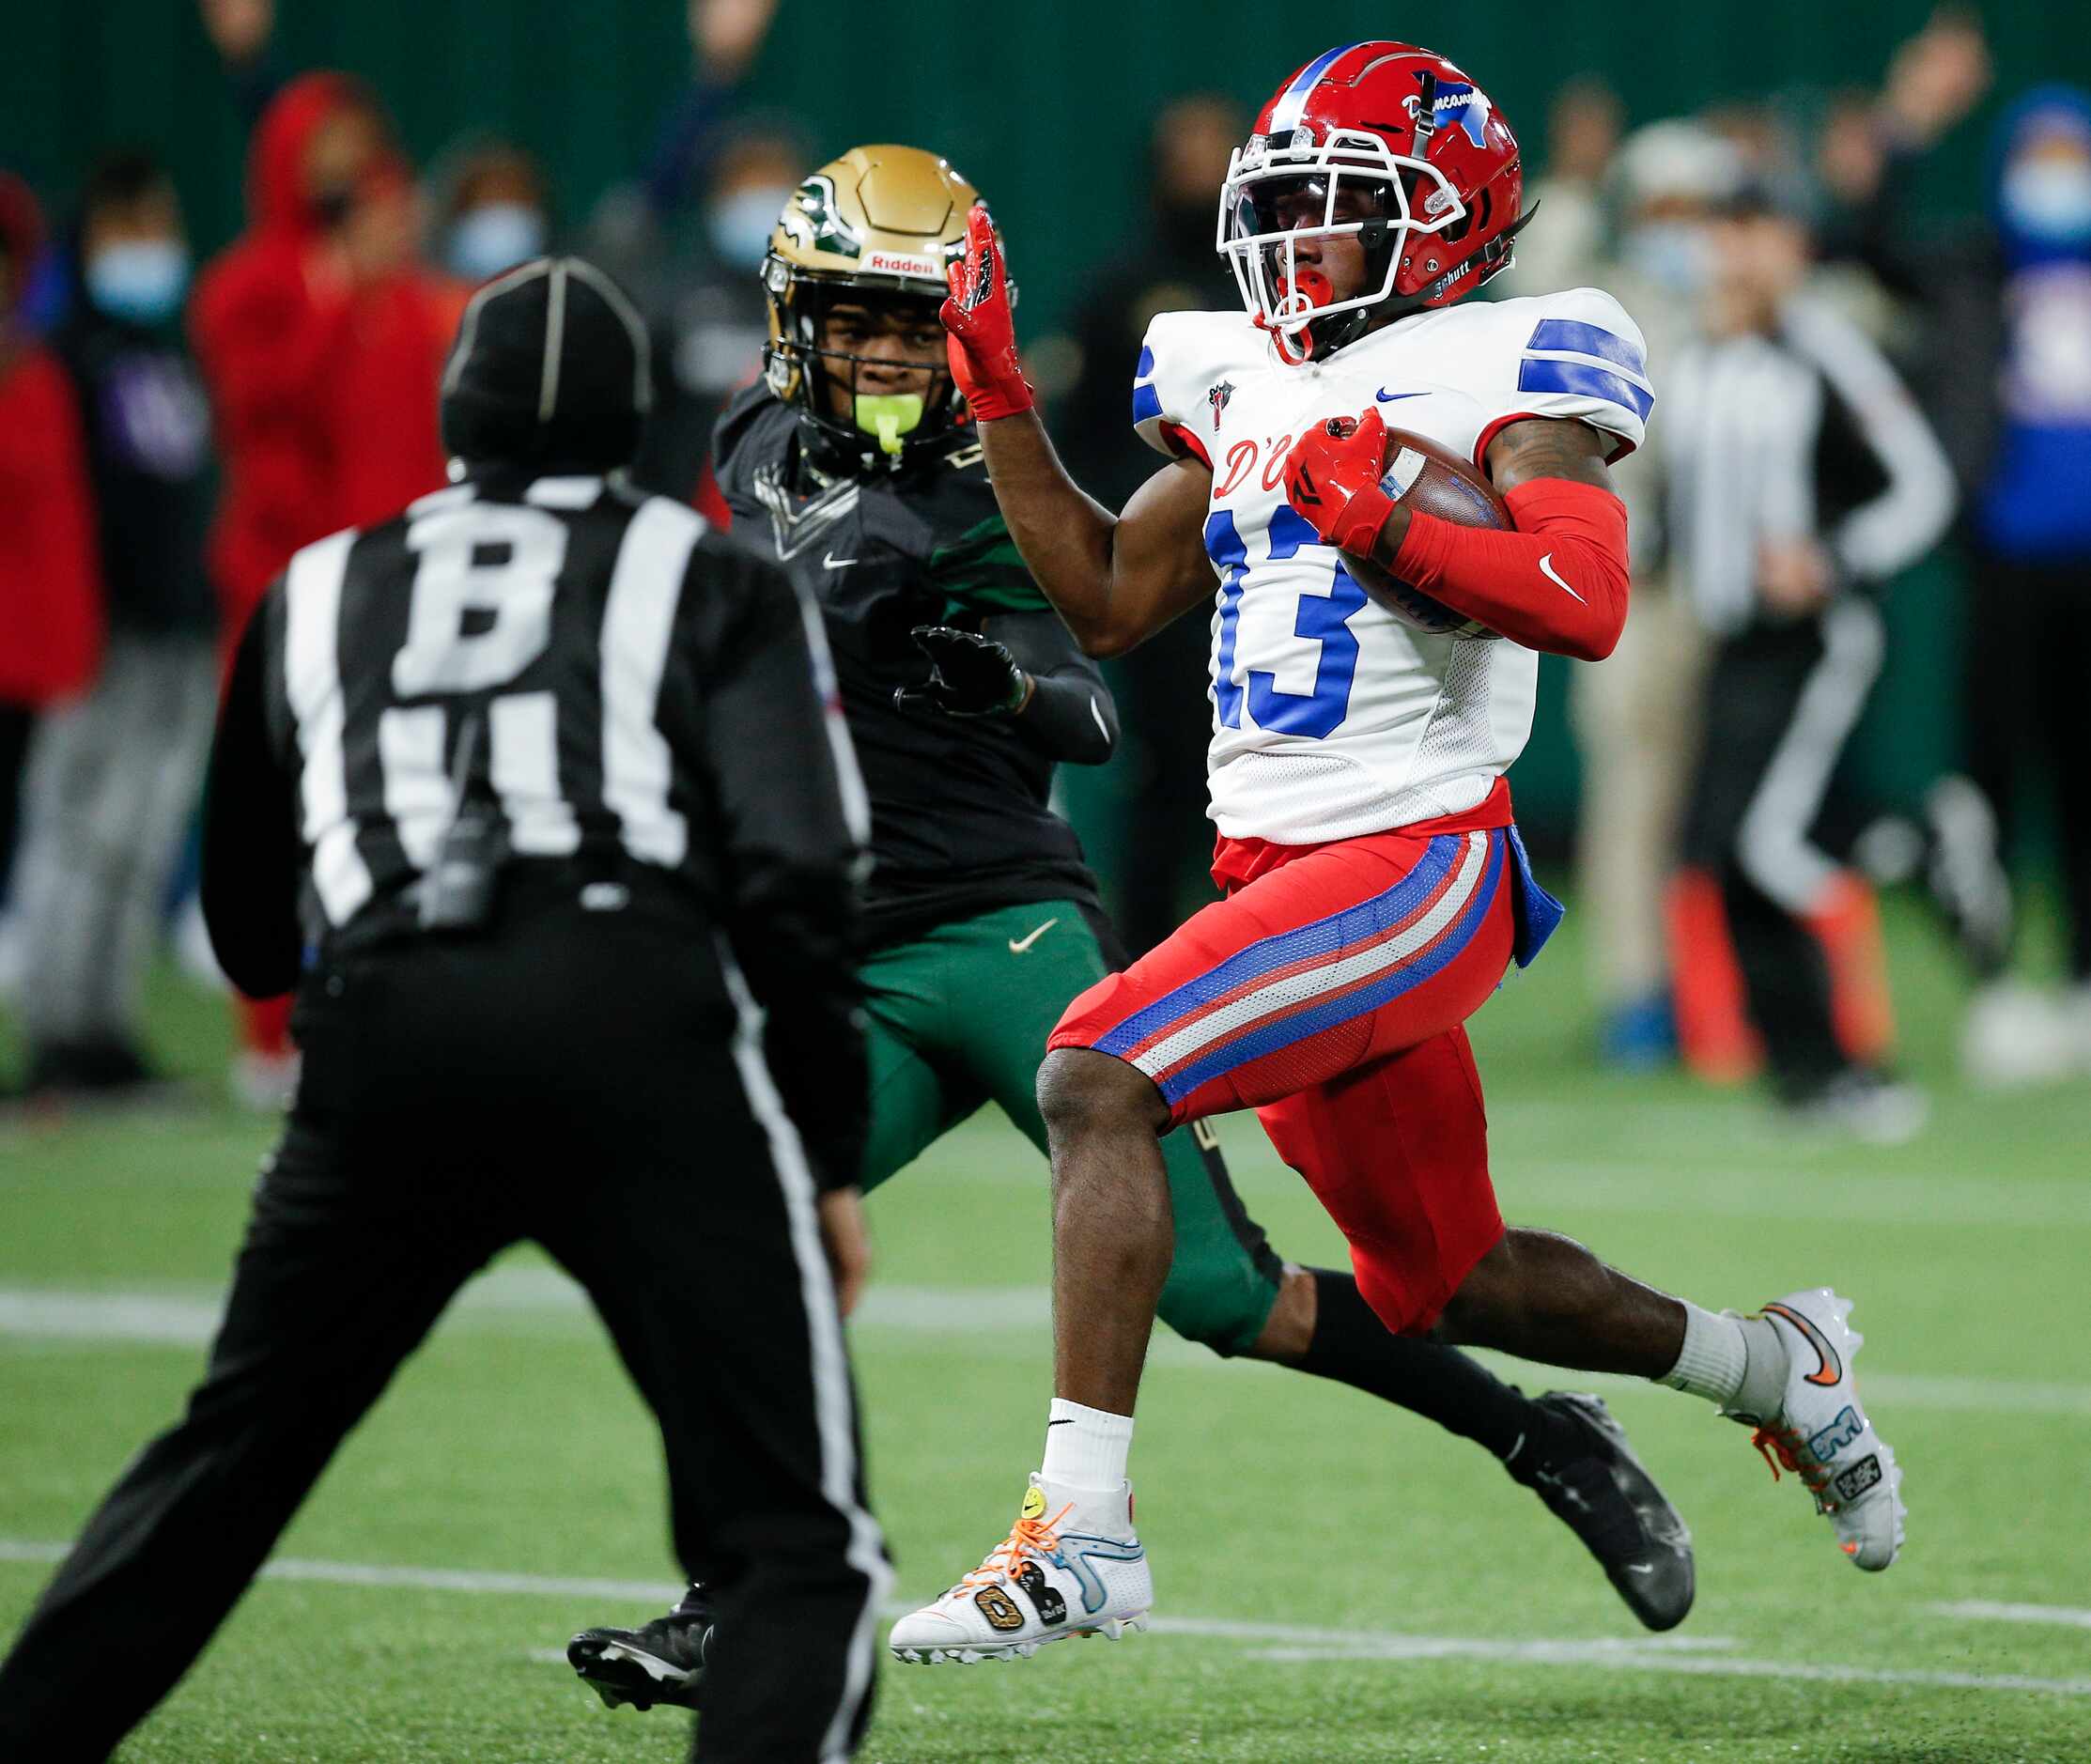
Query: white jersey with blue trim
{"x": 1331, "y": 717}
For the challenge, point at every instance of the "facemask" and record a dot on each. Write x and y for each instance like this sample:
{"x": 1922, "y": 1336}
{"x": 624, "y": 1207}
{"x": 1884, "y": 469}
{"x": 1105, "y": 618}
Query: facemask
{"x": 739, "y": 226}
{"x": 499, "y": 235}
{"x": 141, "y": 280}
{"x": 332, "y": 204}
{"x": 889, "y": 416}
{"x": 1674, "y": 255}
{"x": 2051, "y": 199}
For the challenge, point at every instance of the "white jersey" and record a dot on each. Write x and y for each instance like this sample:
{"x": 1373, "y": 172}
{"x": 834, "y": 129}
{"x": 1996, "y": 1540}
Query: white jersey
{"x": 1331, "y": 717}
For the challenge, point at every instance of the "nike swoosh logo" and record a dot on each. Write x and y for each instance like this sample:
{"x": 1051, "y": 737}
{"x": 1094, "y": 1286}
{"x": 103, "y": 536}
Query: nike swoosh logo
{"x": 1546, "y": 570}
{"x": 1016, "y": 947}
{"x": 1386, "y": 396}
{"x": 832, "y": 561}
{"x": 1829, "y": 1367}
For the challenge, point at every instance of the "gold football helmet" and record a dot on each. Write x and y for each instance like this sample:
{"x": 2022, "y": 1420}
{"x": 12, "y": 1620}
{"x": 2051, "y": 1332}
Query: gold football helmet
{"x": 876, "y": 226}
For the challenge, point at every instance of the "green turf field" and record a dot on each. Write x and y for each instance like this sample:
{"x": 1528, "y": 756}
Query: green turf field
{"x": 1334, "y": 1581}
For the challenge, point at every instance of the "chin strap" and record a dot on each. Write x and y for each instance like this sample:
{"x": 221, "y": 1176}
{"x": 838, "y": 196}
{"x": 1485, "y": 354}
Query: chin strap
{"x": 1492, "y": 256}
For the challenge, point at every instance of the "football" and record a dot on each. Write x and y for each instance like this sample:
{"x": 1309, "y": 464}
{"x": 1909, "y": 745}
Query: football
{"x": 1436, "y": 481}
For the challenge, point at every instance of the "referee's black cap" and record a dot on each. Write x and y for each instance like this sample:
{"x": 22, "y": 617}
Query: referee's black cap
{"x": 549, "y": 370}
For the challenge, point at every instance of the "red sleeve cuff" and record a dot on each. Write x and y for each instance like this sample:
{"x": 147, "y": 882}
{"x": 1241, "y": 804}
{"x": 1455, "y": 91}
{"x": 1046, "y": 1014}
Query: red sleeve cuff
{"x": 1185, "y": 445}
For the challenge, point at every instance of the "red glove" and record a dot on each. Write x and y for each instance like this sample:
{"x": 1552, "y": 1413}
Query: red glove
{"x": 982, "y": 326}
{"x": 1332, "y": 477}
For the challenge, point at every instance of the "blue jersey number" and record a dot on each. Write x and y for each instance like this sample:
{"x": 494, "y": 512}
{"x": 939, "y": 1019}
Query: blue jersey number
{"x": 1324, "y": 618}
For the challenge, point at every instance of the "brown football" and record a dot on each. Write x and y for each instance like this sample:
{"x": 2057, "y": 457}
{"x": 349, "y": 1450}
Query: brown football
{"x": 1436, "y": 482}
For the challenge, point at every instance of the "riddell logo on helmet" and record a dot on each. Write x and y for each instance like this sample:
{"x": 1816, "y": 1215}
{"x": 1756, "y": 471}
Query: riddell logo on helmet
{"x": 899, "y": 263}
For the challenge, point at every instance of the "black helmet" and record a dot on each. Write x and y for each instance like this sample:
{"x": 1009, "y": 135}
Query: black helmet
{"x": 549, "y": 370}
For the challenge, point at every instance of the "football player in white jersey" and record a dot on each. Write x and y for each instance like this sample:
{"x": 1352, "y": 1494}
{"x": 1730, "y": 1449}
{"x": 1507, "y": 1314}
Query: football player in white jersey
{"x": 1375, "y": 888}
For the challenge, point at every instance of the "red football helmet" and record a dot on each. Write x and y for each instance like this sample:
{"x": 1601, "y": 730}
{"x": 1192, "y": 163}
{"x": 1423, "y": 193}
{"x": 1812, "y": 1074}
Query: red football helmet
{"x": 1387, "y": 141}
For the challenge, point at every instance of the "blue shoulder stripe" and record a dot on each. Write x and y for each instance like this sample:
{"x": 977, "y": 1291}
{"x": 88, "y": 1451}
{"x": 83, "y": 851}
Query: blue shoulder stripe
{"x": 1146, "y": 362}
{"x": 1590, "y": 382}
{"x": 1147, "y": 403}
{"x": 1572, "y": 334}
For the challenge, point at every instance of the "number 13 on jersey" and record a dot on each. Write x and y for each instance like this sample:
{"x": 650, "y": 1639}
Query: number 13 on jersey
{"x": 1320, "y": 618}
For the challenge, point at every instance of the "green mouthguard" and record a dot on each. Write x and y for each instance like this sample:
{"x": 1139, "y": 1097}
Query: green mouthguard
{"x": 889, "y": 417}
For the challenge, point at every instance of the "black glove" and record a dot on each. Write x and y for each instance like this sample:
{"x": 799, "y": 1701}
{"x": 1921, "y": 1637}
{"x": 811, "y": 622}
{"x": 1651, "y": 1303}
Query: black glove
{"x": 970, "y": 675}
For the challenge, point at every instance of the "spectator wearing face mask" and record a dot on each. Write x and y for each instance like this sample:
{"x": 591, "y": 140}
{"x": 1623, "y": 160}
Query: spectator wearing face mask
{"x": 114, "y": 774}
{"x": 705, "y": 308}
{"x": 497, "y": 211}
{"x": 320, "y": 339}
{"x": 2008, "y": 376}
{"x": 686, "y": 237}
{"x": 50, "y": 590}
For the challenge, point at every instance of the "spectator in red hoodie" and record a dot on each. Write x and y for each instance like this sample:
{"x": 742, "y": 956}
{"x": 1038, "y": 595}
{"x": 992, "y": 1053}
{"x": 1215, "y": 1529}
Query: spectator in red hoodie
{"x": 50, "y": 588}
{"x": 320, "y": 339}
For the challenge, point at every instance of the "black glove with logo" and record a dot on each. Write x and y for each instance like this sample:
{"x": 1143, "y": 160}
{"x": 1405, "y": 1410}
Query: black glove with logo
{"x": 970, "y": 675}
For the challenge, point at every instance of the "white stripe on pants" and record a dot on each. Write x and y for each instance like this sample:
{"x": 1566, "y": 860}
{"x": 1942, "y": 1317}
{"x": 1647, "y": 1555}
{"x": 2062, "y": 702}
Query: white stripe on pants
{"x": 834, "y": 1406}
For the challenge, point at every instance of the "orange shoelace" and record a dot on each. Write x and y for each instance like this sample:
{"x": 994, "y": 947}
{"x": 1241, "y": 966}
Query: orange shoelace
{"x": 1027, "y": 1537}
{"x": 1786, "y": 1443}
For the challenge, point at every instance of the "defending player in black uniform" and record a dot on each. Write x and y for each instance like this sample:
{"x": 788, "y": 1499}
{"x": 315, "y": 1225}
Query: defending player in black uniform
{"x": 852, "y": 465}
{"x": 533, "y": 793}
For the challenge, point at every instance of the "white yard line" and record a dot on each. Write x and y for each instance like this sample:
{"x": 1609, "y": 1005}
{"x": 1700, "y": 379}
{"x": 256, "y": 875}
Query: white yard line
{"x": 1629, "y": 1658}
{"x": 653, "y": 1595}
{"x": 998, "y": 1322}
{"x": 1990, "y": 1611}
{"x": 1283, "y": 1643}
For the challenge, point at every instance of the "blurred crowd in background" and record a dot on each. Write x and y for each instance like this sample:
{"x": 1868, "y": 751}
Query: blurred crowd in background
{"x": 1838, "y": 394}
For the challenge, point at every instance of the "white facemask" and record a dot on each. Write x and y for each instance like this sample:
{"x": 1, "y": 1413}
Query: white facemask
{"x": 740, "y": 225}
{"x": 141, "y": 280}
{"x": 496, "y": 236}
{"x": 2050, "y": 198}
{"x": 1674, "y": 255}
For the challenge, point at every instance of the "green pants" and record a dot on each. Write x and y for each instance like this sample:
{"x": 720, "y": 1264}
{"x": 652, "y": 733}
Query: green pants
{"x": 961, "y": 1017}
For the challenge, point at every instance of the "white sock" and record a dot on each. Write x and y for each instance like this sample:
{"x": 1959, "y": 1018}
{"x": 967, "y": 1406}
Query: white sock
{"x": 1714, "y": 1357}
{"x": 1086, "y": 1448}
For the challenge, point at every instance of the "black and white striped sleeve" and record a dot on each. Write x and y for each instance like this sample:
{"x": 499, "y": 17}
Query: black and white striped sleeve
{"x": 795, "y": 824}
{"x": 1893, "y": 529}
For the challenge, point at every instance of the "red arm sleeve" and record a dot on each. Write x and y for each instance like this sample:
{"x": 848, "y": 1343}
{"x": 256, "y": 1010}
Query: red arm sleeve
{"x": 1557, "y": 583}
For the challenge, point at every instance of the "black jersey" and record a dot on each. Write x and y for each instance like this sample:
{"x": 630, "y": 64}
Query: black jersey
{"x": 960, "y": 821}
{"x": 637, "y": 708}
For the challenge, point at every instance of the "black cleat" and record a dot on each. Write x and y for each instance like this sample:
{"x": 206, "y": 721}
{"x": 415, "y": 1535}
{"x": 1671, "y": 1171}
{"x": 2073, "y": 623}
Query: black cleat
{"x": 662, "y": 1662}
{"x": 1599, "y": 1488}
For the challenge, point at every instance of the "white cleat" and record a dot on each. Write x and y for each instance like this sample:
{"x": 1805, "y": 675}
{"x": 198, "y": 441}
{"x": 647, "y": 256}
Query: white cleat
{"x": 1821, "y": 1432}
{"x": 1070, "y": 1565}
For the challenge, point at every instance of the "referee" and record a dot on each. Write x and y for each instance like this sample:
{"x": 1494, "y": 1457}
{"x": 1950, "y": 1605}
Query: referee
{"x": 1801, "y": 478}
{"x": 538, "y": 796}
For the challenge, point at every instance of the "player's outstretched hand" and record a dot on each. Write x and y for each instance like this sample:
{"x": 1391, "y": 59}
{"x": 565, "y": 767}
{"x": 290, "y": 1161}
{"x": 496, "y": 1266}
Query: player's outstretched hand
{"x": 982, "y": 326}
{"x": 1332, "y": 477}
{"x": 970, "y": 675}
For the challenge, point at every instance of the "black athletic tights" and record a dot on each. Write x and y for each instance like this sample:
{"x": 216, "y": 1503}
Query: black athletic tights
{"x": 456, "y": 1100}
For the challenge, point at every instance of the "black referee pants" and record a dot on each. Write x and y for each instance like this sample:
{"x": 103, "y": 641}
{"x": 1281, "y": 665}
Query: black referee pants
{"x": 1765, "y": 815}
{"x": 580, "y": 1084}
